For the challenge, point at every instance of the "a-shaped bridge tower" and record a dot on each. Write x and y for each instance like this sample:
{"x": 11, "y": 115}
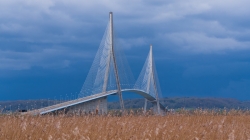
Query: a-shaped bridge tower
{"x": 110, "y": 75}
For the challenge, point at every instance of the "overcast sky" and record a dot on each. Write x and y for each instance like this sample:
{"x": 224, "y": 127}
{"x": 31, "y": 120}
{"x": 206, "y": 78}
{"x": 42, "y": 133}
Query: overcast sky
{"x": 201, "y": 48}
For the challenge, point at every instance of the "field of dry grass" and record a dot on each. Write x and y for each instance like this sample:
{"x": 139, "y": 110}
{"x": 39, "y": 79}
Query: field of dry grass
{"x": 184, "y": 125}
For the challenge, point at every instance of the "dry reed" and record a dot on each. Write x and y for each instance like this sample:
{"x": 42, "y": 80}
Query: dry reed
{"x": 200, "y": 124}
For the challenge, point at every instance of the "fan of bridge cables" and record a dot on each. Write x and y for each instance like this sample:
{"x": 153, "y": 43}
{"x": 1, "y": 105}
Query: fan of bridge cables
{"x": 101, "y": 77}
{"x": 148, "y": 79}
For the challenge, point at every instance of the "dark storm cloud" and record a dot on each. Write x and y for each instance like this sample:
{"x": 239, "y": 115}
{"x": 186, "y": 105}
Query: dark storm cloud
{"x": 196, "y": 43}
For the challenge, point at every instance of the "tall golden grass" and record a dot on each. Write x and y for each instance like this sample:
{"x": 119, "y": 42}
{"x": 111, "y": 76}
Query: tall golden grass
{"x": 184, "y": 125}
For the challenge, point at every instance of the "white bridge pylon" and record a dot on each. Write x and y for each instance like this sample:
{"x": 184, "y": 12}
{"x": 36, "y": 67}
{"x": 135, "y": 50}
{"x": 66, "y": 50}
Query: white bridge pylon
{"x": 103, "y": 75}
{"x": 110, "y": 74}
{"x": 148, "y": 81}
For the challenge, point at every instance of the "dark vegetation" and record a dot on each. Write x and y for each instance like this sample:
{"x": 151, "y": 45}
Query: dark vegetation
{"x": 187, "y": 102}
{"x": 170, "y": 103}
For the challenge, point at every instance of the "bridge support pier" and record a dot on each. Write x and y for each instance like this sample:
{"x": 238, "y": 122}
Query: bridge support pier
{"x": 145, "y": 105}
{"x": 97, "y": 106}
{"x": 157, "y": 110}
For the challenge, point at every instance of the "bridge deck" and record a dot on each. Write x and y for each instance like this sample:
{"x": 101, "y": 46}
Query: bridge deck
{"x": 64, "y": 105}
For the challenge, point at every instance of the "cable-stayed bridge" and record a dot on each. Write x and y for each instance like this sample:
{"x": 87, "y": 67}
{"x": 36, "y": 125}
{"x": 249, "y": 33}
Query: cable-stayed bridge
{"x": 110, "y": 74}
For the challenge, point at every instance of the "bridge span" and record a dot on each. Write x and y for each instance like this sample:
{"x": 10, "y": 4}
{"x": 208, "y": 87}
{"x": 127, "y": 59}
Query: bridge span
{"x": 65, "y": 105}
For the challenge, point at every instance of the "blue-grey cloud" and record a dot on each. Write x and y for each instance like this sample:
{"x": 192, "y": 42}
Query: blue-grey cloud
{"x": 193, "y": 40}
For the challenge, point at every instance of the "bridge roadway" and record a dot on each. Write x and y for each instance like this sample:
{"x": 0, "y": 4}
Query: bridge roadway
{"x": 63, "y": 105}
